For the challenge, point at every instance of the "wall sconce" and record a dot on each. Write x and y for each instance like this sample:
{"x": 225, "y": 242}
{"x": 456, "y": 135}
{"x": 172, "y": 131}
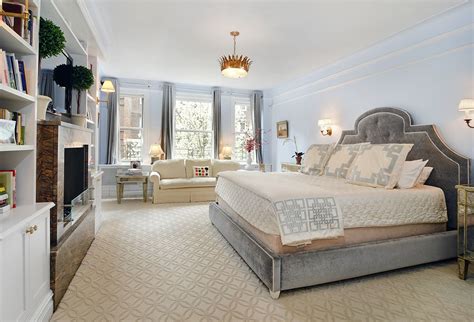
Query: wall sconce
{"x": 227, "y": 152}
{"x": 325, "y": 126}
{"x": 155, "y": 152}
{"x": 107, "y": 87}
{"x": 467, "y": 106}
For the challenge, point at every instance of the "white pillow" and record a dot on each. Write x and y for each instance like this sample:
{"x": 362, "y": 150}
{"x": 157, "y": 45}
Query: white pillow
{"x": 425, "y": 174}
{"x": 411, "y": 171}
{"x": 341, "y": 159}
{"x": 378, "y": 165}
{"x": 316, "y": 158}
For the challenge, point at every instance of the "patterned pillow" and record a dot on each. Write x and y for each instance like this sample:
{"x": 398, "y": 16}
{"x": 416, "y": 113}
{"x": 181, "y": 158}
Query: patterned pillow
{"x": 341, "y": 159}
{"x": 316, "y": 158}
{"x": 378, "y": 165}
{"x": 201, "y": 171}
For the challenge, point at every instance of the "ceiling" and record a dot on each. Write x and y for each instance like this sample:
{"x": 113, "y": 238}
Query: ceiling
{"x": 181, "y": 41}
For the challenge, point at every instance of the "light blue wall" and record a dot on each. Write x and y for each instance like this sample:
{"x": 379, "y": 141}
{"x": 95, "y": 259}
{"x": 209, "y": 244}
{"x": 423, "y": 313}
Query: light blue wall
{"x": 425, "y": 70}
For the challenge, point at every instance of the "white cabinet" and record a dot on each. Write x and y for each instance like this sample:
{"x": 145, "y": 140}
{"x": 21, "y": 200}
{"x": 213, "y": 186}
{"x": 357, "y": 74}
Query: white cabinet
{"x": 97, "y": 196}
{"x": 24, "y": 264}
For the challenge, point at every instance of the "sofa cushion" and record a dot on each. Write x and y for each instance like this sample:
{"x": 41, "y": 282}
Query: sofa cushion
{"x": 170, "y": 169}
{"x": 167, "y": 184}
{"x": 190, "y": 164}
{"x": 224, "y": 165}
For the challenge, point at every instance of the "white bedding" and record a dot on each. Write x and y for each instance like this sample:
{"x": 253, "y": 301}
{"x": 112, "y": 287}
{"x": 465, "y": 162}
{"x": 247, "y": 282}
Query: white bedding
{"x": 360, "y": 206}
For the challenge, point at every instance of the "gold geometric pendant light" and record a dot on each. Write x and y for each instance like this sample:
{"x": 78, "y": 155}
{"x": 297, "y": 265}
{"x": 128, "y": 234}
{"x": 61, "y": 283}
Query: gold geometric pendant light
{"x": 234, "y": 66}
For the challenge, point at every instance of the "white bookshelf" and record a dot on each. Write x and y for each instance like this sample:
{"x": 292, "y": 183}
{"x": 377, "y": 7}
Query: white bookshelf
{"x": 21, "y": 158}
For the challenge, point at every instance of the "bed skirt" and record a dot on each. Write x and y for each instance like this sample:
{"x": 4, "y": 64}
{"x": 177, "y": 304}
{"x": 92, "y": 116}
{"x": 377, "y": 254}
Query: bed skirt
{"x": 308, "y": 268}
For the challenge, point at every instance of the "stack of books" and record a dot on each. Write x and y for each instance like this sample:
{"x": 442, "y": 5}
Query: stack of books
{"x": 19, "y": 125}
{"x": 8, "y": 186}
{"x": 17, "y": 24}
{"x": 12, "y": 72}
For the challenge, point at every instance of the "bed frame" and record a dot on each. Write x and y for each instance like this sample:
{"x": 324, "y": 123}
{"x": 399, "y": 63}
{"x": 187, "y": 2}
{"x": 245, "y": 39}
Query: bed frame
{"x": 281, "y": 272}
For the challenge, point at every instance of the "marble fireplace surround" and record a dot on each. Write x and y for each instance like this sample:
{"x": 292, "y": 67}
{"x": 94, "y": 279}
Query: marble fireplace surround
{"x": 69, "y": 243}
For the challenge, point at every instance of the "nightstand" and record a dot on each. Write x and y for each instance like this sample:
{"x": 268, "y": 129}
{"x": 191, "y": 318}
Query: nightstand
{"x": 290, "y": 167}
{"x": 465, "y": 228}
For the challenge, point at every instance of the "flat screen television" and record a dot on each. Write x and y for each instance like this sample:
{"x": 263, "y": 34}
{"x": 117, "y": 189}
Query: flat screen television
{"x": 61, "y": 96}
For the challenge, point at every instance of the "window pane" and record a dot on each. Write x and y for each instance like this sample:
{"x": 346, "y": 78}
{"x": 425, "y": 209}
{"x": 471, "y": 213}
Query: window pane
{"x": 131, "y": 143}
{"x": 242, "y": 125}
{"x": 193, "y": 115}
{"x": 193, "y": 135}
{"x": 131, "y": 110}
{"x": 193, "y": 145}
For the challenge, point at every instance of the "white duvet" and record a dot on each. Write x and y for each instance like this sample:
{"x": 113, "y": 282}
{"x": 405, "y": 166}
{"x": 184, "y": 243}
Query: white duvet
{"x": 252, "y": 194}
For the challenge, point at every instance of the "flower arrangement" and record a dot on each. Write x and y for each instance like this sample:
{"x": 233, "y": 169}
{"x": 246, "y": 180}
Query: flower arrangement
{"x": 251, "y": 142}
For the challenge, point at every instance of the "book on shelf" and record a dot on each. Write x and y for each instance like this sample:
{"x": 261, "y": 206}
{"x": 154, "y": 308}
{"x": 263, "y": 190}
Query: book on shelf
{"x": 16, "y": 23}
{"x": 13, "y": 72}
{"x": 19, "y": 124}
{"x": 8, "y": 180}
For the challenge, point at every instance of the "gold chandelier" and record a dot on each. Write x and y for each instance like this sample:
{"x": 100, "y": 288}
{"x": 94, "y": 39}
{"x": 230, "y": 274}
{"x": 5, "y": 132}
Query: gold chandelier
{"x": 234, "y": 66}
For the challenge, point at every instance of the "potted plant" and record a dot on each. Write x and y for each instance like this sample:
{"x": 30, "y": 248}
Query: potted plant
{"x": 298, "y": 155}
{"x": 82, "y": 79}
{"x": 51, "y": 44}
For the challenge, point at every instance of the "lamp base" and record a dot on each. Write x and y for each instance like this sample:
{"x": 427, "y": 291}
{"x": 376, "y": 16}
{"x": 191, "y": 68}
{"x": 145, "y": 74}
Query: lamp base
{"x": 468, "y": 122}
{"x": 153, "y": 159}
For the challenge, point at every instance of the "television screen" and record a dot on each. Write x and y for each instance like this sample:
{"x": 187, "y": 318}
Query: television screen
{"x": 61, "y": 95}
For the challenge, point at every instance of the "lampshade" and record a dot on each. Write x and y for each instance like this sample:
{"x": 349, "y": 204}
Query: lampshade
{"x": 324, "y": 122}
{"x": 108, "y": 87}
{"x": 227, "y": 150}
{"x": 155, "y": 150}
{"x": 466, "y": 105}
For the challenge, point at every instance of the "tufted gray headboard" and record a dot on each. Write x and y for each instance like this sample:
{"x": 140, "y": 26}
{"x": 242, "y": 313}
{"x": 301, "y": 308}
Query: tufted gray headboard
{"x": 393, "y": 125}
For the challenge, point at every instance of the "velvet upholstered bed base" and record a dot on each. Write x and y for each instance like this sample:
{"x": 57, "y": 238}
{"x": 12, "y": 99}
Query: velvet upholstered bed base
{"x": 308, "y": 268}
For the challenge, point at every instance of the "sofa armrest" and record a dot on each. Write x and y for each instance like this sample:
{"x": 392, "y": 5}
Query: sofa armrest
{"x": 155, "y": 177}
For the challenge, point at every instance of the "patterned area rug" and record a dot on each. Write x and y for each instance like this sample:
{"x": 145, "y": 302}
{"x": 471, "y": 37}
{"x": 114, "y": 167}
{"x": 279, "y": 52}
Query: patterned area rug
{"x": 167, "y": 262}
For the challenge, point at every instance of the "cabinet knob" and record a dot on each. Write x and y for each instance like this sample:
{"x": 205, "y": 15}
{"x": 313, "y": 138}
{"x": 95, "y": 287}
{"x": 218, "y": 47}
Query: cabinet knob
{"x": 30, "y": 230}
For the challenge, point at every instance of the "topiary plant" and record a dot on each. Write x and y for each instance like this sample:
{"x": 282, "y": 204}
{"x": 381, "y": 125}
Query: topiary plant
{"x": 82, "y": 79}
{"x": 51, "y": 39}
{"x": 62, "y": 75}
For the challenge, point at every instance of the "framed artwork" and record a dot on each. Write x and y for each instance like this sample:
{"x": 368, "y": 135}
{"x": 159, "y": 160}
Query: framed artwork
{"x": 282, "y": 129}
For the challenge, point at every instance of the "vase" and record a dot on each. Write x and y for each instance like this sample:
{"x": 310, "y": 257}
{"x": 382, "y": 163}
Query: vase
{"x": 298, "y": 159}
{"x": 43, "y": 102}
{"x": 248, "y": 166}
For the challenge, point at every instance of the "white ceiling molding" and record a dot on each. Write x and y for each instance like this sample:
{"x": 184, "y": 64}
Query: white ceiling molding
{"x": 180, "y": 41}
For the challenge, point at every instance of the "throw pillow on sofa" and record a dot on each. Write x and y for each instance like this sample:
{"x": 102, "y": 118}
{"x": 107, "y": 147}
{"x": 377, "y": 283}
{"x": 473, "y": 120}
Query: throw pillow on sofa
{"x": 190, "y": 164}
{"x": 201, "y": 171}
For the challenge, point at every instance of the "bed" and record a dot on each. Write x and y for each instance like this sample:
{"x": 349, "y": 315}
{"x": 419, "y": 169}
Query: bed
{"x": 394, "y": 242}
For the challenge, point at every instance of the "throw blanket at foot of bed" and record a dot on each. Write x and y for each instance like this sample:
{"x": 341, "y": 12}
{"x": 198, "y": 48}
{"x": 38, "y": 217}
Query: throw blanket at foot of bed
{"x": 302, "y": 212}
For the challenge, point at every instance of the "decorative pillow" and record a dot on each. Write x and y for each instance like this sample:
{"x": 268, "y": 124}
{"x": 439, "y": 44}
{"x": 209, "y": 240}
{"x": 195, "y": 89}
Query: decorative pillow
{"x": 201, "y": 171}
{"x": 411, "y": 171}
{"x": 341, "y": 159}
{"x": 378, "y": 165}
{"x": 316, "y": 158}
{"x": 425, "y": 174}
{"x": 191, "y": 163}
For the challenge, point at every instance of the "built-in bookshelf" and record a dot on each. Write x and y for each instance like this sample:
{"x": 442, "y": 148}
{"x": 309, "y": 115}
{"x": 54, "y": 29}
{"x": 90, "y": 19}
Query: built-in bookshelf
{"x": 21, "y": 158}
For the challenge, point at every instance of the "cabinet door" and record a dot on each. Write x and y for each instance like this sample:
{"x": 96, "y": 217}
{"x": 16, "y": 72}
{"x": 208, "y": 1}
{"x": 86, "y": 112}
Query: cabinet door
{"x": 13, "y": 283}
{"x": 39, "y": 260}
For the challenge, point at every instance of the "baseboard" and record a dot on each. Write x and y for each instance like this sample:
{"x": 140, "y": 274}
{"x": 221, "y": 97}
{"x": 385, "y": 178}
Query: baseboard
{"x": 44, "y": 312}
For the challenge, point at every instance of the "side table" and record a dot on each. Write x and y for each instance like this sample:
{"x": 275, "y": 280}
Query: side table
{"x": 465, "y": 228}
{"x": 123, "y": 179}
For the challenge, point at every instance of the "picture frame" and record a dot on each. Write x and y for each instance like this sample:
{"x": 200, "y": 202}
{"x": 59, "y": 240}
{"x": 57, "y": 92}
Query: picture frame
{"x": 282, "y": 129}
{"x": 135, "y": 164}
{"x": 7, "y": 132}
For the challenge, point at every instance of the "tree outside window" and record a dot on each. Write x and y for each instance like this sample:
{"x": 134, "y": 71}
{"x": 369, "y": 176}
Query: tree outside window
{"x": 243, "y": 125}
{"x": 130, "y": 127}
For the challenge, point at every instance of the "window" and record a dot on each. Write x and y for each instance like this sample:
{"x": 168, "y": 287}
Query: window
{"x": 131, "y": 127}
{"x": 193, "y": 137}
{"x": 243, "y": 125}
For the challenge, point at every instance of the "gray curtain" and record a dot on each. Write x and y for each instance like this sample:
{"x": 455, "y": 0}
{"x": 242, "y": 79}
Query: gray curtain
{"x": 257, "y": 108}
{"x": 46, "y": 83}
{"x": 216, "y": 119}
{"x": 112, "y": 119}
{"x": 167, "y": 122}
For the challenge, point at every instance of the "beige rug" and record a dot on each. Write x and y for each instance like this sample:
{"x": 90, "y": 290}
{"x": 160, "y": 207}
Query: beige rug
{"x": 169, "y": 263}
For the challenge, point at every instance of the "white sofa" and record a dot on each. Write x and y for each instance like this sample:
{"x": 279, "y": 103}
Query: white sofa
{"x": 173, "y": 180}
